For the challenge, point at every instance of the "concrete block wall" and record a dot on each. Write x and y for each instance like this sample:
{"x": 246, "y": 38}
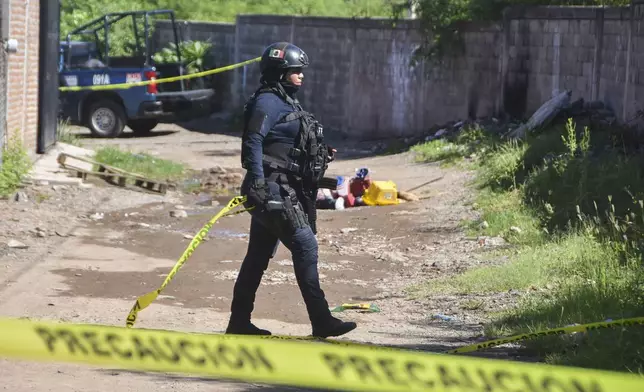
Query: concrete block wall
{"x": 22, "y": 72}
{"x": 220, "y": 35}
{"x": 360, "y": 82}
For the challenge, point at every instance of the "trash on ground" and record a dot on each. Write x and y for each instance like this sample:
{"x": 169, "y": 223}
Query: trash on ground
{"x": 361, "y": 190}
{"x": 443, "y": 317}
{"x": 372, "y": 308}
{"x": 543, "y": 116}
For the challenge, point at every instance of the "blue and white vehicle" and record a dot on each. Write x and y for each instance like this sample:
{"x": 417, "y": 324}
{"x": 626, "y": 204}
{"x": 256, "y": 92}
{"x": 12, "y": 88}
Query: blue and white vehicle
{"x": 141, "y": 108}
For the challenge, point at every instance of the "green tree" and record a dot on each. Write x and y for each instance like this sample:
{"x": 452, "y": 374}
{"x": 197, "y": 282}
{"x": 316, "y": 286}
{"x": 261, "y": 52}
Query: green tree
{"x": 440, "y": 19}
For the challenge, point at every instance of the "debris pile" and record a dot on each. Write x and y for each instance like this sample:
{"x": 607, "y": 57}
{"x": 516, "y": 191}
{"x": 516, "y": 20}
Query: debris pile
{"x": 359, "y": 190}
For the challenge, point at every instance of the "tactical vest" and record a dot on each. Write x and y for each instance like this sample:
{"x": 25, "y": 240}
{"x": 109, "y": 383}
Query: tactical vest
{"x": 307, "y": 158}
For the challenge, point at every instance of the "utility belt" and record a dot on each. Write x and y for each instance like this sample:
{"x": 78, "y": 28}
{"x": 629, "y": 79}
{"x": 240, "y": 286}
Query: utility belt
{"x": 290, "y": 211}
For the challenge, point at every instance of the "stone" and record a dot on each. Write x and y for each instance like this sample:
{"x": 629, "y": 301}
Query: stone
{"x": 204, "y": 199}
{"x": 218, "y": 170}
{"x": 515, "y": 229}
{"x": 20, "y": 197}
{"x": 178, "y": 214}
{"x": 15, "y": 244}
{"x": 484, "y": 225}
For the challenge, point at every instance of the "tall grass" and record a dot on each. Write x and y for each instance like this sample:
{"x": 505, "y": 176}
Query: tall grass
{"x": 577, "y": 195}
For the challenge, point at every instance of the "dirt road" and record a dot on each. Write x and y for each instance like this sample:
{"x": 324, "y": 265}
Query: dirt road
{"x": 93, "y": 272}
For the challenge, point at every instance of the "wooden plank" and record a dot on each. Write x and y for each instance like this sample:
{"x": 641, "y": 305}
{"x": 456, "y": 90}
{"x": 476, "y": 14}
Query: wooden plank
{"x": 113, "y": 175}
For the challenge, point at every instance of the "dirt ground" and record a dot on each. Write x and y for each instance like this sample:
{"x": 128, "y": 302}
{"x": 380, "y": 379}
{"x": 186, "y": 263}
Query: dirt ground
{"x": 81, "y": 266}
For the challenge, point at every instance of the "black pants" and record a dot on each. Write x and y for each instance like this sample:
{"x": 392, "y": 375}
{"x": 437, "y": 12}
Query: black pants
{"x": 267, "y": 230}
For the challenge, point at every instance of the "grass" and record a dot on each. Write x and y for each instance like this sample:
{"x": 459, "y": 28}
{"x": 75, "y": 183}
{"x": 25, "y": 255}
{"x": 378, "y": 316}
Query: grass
{"x": 65, "y": 135}
{"x": 15, "y": 165}
{"x": 141, "y": 163}
{"x": 577, "y": 257}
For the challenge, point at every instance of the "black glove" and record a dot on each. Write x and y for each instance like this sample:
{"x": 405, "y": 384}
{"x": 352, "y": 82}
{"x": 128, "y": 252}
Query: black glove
{"x": 258, "y": 193}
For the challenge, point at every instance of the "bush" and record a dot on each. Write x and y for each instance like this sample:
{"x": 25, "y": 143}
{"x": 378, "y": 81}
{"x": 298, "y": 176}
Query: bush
{"x": 15, "y": 165}
{"x": 577, "y": 194}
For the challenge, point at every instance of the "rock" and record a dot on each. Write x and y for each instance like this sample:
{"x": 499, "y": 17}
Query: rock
{"x": 440, "y": 133}
{"x": 178, "y": 214}
{"x": 21, "y": 197}
{"x": 218, "y": 170}
{"x": 188, "y": 236}
{"x": 204, "y": 199}
{"x": 146, "y": 225}
{"x": 347, "y": 230}
{"x": 58, "y": 188}
{"x": 484, "y": 225}
{"x": 97, "y": 216}
{"x": 14, "y": 244}
{"x": 491, "y": 241}
{"x": 179, "y": 207}
{"x": 515, "y": 229}
{"x": 394, "y": 256}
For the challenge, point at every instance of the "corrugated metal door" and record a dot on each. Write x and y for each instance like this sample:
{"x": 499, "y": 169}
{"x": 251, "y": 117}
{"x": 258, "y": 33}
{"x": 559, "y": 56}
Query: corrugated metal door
{"x": 48, "y": 74}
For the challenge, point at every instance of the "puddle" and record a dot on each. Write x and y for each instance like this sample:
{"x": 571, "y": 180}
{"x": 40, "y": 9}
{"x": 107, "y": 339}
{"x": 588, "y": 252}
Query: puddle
{"x": 227, "y": 233}
{"x": 213, "y": 233}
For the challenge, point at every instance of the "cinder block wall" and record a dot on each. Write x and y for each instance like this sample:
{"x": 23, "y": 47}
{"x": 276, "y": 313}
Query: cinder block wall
{"x": 360, "y": 82}
{"x": 22, "y": 72}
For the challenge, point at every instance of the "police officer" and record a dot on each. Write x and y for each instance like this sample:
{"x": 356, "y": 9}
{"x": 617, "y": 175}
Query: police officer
{"x": 284, "y": 155}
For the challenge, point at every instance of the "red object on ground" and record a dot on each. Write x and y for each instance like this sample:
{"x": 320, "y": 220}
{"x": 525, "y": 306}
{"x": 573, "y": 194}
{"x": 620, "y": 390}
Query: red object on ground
{"x": 349, "y": 200}
{"x": 358, "y": 186}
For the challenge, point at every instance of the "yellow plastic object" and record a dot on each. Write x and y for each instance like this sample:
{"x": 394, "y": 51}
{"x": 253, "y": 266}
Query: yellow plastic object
{"x": 381, "y": 193}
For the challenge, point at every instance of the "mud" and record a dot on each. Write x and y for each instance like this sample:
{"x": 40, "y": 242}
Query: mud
{"x": 95, "y": 273}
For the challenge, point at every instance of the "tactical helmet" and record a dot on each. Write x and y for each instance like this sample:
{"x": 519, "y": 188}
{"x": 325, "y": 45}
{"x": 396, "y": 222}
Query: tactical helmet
{"x": 281, "y": 56}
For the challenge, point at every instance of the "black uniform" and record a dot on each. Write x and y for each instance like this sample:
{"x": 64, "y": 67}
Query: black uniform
{"x": 284, "y": 154}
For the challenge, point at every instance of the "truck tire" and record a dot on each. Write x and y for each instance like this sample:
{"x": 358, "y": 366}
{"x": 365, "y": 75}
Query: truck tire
{"x": 142, "y": 126}
{"x": 106, "y": 118}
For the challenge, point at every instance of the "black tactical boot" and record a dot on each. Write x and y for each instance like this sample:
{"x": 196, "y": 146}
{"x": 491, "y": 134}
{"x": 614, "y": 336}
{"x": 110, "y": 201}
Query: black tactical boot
{"x": 332, "y": 327}
{"x": 245, "y": 328}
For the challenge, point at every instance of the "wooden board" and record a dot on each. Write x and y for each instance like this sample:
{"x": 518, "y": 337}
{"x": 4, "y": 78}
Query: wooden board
{"x": 113, "y": 175}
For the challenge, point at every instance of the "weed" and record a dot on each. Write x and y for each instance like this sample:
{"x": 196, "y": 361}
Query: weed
{"x": 141, "y": 163}
{"x": 579, "y": 202}
{"x": 64, "y": 134}
{"x": 14, "y": 166}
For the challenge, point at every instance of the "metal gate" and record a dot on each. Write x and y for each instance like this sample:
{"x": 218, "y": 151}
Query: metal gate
{"x": 4, "y": 35}
{"x": 48, "y": 74}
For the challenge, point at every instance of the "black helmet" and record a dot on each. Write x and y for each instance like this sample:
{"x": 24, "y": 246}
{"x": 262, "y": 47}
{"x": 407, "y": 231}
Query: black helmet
{"x": 282, "y": 55}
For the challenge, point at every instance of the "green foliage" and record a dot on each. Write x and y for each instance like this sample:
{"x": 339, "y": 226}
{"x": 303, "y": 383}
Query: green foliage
{"x": 196, "y": 55}
{"x": 74, "y": 13}
{"x": 141, "y": 163}
{"x": 577, "y": 196}
{"x": 451, "y": 149}
{"x": 441, "y": 20}
{"x": 15, "y": 165}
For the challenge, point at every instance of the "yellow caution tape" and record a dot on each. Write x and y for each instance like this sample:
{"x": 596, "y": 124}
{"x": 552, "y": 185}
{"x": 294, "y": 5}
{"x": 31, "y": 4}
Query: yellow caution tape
{"x": 145, "y": 300}
{"x": 549, "y": 332}
{"x": 246, "y": 358}
{"x": 123, "y": 86}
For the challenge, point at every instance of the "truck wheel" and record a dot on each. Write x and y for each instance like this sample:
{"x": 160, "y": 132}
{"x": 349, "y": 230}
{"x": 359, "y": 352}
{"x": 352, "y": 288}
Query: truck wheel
{"x": 106, "y": 118}
{"x": 142, "y": 126}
